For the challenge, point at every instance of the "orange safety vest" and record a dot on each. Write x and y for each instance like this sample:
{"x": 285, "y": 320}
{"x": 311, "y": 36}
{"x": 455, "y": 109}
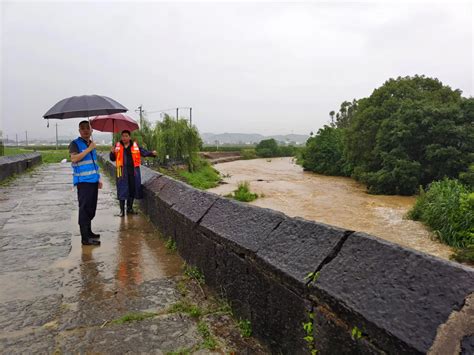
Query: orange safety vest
{"x": 119, "y": 149}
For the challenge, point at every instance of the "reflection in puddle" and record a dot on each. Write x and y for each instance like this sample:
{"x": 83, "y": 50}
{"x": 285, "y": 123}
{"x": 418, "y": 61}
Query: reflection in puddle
{"x": 129, "y": 268}
{"x": 131, "y": 252}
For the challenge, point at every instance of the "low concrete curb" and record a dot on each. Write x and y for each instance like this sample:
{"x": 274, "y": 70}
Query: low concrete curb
{"x": 16, "y": 164}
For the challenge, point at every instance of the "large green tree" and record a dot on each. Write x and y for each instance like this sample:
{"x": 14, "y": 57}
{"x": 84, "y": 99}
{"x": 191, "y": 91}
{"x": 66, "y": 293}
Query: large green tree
{"x": 345, "y": 114}
{"x": 267, "y": 148}
{"x": 323, "y": 153}
{"x": 409, "y": 132}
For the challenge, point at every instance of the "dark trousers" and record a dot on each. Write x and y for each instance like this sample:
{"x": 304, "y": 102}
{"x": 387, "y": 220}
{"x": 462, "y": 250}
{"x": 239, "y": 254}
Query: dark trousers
{"x": 131, "y": 184}
{"x": 87, "y": 196}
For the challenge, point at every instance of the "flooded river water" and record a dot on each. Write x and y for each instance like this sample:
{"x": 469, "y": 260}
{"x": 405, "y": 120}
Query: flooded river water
{"x": 333, "y": 200}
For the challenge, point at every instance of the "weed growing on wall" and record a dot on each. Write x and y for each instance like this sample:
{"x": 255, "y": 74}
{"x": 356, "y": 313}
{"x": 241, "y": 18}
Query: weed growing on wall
{"x": 208, "y": 340}
{"x": 356, "y": 333}
{"x": 194, "y": 273}
{"x": 170, "y": 244}
{"x": 312, "y": 277}
{"x": 309, "y": 338}
{"x": 245, "y": 328}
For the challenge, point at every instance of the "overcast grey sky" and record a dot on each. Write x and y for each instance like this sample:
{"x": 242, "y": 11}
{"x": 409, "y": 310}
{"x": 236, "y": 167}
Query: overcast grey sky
{"x": 270, "y": 68}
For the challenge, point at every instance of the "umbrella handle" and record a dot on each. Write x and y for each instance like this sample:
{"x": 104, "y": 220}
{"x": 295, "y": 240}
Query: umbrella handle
{"x": 89, "y": 120}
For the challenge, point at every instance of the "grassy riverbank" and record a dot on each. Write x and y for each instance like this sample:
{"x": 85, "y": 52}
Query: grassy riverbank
{"x": 204, "y": 177}
{"x": 448, "y": 209}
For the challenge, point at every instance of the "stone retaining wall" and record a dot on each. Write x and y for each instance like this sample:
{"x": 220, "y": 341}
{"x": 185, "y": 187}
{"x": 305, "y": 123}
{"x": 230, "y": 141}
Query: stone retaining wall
{"x": 367, "y": 296}
{"x": 16, "y": 164}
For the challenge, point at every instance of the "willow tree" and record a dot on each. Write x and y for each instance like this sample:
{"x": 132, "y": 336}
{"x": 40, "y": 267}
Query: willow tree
{"x": 145, "y": 135}
{"x": 177, "y": 140}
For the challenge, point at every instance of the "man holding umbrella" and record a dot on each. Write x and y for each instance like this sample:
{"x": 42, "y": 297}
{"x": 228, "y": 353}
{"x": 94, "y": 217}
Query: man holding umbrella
{"x": 83, "y": 154}
{"x": 86, "y": 178}
{"x": 126, "y": 155}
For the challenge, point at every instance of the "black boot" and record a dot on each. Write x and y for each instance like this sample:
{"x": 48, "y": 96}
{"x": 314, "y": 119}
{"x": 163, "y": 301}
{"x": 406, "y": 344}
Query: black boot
{"x": 122, "y": 208}
{"x": 91, "y": 233}
{"x": 85, "y": 237}
{"x": 130, "y": 206}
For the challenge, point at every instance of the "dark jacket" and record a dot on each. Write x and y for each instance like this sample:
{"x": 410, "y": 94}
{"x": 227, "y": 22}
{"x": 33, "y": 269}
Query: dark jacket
{"x": 123, "y": 190}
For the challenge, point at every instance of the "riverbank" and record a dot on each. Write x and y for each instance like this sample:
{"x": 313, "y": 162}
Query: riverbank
{"x": 333, "y": 200}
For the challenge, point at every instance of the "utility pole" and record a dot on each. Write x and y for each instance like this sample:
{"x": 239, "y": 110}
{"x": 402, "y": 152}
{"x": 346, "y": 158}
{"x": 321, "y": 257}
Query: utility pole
{"x": 191, "y": 116}
{"x": 140, "y": 109}
{"x": 16, "y": 134}
{"x": 56, "y": 136}
{"x": 26, "y": 133}
{"x": 177, "y": 113}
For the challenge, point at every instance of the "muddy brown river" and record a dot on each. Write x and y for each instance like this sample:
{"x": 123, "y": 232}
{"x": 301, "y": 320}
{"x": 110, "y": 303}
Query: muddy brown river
{"x": 333, "y": 200}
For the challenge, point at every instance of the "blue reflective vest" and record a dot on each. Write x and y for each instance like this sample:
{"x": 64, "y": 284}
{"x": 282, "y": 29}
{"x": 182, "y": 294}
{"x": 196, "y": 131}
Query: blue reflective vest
{"x": 86, "y": 170}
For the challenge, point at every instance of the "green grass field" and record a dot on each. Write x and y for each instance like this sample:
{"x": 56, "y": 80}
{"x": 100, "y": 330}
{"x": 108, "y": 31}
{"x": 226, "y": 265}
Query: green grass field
{"x": 48, "y": 156}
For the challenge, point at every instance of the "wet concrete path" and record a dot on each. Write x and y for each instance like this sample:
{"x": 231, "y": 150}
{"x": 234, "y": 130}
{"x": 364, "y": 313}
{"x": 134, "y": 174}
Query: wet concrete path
{"x": 59, "y": 296}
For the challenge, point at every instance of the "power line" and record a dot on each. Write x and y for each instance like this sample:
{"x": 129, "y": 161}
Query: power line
{"x": 168, "y": 109}
{"x": 177, "y": 112}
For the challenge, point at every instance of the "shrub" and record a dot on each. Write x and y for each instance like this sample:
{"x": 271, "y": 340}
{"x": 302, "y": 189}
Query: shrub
{"x": 448, "y": 208}
{"x": 267, "y": 148}
{"x": 249, "y": 153}
{"x": 242, "y": 193}
{"x": 286, "y": 151}
{"x": 265, "y": 153}
{"x": 467, "y": 177}
{"x": 465, "y": 254}
{"x": 324, "y": 152}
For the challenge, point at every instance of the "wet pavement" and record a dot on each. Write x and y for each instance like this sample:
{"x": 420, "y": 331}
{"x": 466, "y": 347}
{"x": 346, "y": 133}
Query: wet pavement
{"x": 338, "y": 201}
{"x": 121, "y": 297}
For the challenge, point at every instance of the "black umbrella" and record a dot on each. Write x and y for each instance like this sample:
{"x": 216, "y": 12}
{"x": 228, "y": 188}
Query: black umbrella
{"x": 84, "y": 106}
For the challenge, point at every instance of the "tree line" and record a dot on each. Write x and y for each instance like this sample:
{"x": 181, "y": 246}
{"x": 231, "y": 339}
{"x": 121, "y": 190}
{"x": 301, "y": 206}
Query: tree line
{"x": 407, "y": 133}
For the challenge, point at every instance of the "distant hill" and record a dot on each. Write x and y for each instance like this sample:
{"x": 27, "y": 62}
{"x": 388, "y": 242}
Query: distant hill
{"x": 250, "y": 138}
